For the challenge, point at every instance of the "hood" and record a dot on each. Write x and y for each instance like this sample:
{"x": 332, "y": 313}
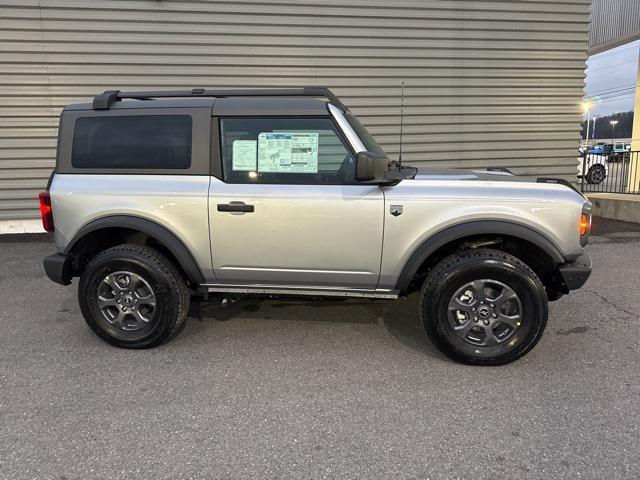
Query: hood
{"x": 431, "y": 173}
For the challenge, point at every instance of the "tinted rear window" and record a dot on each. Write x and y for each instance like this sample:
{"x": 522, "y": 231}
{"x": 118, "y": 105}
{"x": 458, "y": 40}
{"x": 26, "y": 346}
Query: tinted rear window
{"x": 146, "y": 141}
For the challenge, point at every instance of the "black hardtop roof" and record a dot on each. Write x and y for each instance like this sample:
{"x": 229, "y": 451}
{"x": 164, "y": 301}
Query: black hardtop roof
{"x": 220, "y": 107}
{"x": 105, "y": 100}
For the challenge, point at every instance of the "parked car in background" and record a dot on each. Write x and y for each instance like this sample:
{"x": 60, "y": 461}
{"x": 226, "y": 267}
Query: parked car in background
{"x": 590, "y": 149}
{"x": 596, "y": 167}
{"x": 613, "y": 152}
{"x": 620, "y": 152}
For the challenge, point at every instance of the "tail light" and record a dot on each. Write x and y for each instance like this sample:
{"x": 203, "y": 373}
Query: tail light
{"x": 585, "y": 224}
{"x": 45, "y": 211}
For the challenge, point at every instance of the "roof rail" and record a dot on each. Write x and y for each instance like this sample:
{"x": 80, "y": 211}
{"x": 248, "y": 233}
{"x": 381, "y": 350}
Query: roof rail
{"x": 104, "y": 100}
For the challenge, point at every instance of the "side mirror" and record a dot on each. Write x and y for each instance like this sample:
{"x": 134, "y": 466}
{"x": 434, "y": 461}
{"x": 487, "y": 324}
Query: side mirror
{"x": 371, "y": 167}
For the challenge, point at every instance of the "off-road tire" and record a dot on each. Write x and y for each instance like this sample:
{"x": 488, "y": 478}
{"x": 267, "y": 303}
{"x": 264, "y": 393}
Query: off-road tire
{"x": 596, "y": 175}
{"x": 172, "y": 294}
{"x": 455, "y": 271}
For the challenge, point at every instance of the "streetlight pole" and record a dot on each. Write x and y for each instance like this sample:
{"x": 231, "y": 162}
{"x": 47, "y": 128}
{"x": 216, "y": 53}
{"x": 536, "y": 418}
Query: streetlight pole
{"x": 613, "y": 128}
{"x": 587, "y": 108}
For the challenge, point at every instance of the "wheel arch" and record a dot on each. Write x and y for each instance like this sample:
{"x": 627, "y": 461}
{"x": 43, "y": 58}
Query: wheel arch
{"x": 455, "y": 236}
{"x": 128, "y": 225}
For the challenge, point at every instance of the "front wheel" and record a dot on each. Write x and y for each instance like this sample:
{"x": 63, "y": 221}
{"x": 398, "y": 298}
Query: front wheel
{"x": 596, "y": 175}
{"x": 131, "y": 296}
{"x": 483, "y": 307}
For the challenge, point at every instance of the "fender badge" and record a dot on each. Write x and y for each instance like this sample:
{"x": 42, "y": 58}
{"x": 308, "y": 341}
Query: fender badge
{"x": 395, "y": 210}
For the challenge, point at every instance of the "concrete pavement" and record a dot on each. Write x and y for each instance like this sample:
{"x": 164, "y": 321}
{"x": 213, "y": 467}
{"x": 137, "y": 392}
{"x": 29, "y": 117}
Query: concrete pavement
{"x": 281, "y": 389}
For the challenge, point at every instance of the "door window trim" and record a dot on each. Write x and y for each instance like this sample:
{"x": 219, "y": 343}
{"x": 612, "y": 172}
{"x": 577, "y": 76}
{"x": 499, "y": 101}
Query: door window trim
{"x": 348, "y": 131}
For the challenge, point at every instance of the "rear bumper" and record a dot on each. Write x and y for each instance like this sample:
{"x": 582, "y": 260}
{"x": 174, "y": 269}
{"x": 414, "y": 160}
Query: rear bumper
{"x": 576, "y": 273}
{"x": 58, "y": 268}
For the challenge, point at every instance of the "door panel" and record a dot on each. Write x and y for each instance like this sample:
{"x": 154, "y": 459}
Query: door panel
{"x": 296, "y": 235}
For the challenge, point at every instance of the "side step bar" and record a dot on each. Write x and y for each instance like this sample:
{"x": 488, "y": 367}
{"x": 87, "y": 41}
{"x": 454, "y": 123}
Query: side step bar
{"x": 305, "y": 292}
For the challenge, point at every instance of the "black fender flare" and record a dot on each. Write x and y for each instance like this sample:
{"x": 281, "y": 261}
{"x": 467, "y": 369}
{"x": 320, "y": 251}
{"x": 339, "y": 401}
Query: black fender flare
{"x": 151, "y": 228}
{"x": 479, "y": 227}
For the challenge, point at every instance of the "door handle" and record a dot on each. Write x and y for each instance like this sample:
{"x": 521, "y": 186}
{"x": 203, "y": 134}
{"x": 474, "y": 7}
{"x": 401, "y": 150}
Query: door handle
{"x": 236, "y": 207}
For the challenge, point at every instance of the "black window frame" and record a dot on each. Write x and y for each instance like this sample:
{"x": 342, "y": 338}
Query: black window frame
{"x": 201, "y": 139}
{"x": 220, "y": 152}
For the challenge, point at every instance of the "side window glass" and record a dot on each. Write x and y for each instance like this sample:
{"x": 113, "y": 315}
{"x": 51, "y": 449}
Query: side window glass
{"x": 285, "y": 151}
{"x": 135, "y": 141}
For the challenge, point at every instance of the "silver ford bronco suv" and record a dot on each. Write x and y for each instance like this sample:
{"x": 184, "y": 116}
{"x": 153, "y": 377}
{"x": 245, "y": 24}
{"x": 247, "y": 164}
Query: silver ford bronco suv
{"x": 160, "y": 196}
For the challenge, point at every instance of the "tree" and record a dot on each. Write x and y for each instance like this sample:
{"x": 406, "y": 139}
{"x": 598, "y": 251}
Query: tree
{"x": 603, "y": 126}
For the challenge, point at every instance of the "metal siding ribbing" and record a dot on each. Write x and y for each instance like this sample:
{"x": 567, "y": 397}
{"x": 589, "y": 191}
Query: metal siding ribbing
{"x": 487, "y": 82}
{"x": 613, "y": 23}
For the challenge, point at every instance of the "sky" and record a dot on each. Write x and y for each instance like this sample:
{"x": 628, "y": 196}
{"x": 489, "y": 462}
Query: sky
{"x": 611, "y": 79}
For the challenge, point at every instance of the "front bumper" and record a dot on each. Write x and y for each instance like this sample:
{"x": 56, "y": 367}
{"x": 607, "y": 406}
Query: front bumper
{"x": 576, "y": 273}
{"x": 58, "y": 268}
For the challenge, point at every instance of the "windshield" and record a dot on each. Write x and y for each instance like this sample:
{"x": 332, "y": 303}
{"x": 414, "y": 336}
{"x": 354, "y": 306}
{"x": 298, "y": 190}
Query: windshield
{"x": 367, "y": 139}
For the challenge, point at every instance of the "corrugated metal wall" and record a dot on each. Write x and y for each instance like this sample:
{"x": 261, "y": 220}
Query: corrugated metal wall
{"x": 487, "y": 82}
{"x": 613, "y": 23}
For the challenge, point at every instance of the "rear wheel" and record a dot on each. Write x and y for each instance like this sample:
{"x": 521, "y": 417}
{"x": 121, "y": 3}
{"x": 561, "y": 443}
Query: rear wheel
{"x": 596, "y": 174}
{"x": 483, "y": 307}
{"x": 133, "y": 297}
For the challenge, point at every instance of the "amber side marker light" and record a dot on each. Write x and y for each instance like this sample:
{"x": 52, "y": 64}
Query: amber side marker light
{"x": 585, "y": 224}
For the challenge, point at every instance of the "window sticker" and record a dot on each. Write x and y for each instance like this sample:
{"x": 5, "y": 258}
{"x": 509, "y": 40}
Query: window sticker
{"x": 244, "y": 156}
{"x": 288, "y": 152}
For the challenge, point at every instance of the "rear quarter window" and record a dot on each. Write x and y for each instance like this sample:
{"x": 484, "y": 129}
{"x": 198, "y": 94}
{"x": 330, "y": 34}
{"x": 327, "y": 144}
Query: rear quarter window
{"x": 140, "y": 141}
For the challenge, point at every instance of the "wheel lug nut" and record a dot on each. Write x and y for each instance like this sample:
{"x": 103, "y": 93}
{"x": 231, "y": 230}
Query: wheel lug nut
{"x": 491, "y": 305}
{"x": 494, "y": 315}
